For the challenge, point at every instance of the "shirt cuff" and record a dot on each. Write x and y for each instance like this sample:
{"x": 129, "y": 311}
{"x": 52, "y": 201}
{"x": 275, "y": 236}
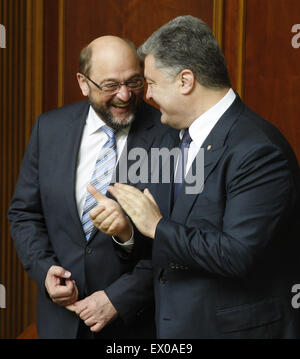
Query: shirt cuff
{"x": 128, "y": 245}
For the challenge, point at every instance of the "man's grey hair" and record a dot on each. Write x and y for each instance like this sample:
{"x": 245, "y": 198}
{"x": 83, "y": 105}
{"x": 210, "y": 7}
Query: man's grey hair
{"x": 186, "y": 42}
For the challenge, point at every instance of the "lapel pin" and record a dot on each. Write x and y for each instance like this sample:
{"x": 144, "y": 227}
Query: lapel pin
{"x": 208, "y": 147}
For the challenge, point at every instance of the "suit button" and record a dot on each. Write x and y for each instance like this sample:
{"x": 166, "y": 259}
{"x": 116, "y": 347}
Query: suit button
{"x": 172, "y": 266}
{"x": 88, "y": 250}
{"x": 140, "y": 312}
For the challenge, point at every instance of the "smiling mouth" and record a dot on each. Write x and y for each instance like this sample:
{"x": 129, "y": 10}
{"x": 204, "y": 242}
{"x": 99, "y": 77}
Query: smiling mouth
{"x": 122, "y": 105}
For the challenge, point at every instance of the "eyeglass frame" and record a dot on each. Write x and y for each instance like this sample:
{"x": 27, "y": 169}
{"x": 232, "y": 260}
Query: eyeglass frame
{"x": 119, "y": 85}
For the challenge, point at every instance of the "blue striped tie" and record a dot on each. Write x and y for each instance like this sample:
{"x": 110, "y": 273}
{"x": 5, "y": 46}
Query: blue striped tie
{"x": 101, "y": 177}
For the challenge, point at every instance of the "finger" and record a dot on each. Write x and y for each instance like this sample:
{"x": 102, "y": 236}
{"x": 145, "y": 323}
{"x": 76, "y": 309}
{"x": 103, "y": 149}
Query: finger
{"x": 74, "y": 294}
{"x": 97, "y": 327}
{"x": 148, "y": 194}
{"x": 64, "y": 291}
{"x": 119, "y": 225}
{"x": 85, "y": 314}
{"x": 59, "y": 272}
{"x": 63, "y": 299}
{"x": 90, "y": 321}
{"x": 95, "y": 193}
{"x": 108, "y": 221}
{"x": 123, "y": 199}
{"x": 71, "y": 308}
{"x": 112, "y": 190}
{"x": 96, "y": 211}
{"x": 76, "y": 290}
{"x": 102, "y": 216}
{"x": 129, "y": 189}
{"x": 121, "y": 193}
{"x": 63, "y": 302}
{"x": 80, "y": 306}
{"x": 61, "y": 294}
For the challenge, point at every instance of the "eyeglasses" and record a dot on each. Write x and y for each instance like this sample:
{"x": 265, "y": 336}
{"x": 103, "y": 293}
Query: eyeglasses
{"x": 113, "y": 87}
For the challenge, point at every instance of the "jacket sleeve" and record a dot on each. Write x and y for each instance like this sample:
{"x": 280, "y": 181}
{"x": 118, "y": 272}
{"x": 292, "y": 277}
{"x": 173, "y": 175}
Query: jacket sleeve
{"x": 28, "y": 227}
{"x": 133, "y": 292}
{"x": 258, "y": 197}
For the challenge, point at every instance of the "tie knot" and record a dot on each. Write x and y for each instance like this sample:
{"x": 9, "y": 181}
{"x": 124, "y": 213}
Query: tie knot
{"x": 186, "y": 138}
{"x": 111, "y": 132}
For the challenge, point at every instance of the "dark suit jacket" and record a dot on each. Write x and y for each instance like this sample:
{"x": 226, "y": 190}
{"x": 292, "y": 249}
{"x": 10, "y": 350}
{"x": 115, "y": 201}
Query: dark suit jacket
{"x": 47, "y": 230}
{"x": 225, "y": 259}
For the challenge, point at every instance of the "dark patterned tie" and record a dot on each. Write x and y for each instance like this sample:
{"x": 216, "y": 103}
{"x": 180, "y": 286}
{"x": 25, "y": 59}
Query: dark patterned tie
{"x": 181, "y": 166}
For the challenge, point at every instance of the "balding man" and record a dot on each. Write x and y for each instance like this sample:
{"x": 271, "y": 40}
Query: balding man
{"x": 82, "y": 271}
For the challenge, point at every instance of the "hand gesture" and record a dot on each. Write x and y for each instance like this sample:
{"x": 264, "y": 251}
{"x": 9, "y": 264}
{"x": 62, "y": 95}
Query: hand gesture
{"x": 109, "y": 217}
{"x": 140, "y": 207}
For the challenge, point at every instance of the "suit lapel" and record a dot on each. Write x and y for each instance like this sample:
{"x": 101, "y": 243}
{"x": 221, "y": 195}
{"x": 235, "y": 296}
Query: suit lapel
{"x": 162, "y": 191}
{"x": 73, "y": 140}
{"x": 213, "y": 148}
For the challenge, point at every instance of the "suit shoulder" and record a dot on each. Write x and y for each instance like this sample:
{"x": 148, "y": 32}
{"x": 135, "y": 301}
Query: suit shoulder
{"x": 252, "y": 133}
{"x": 65, "y": 112}
{"x": 252, "y": 128}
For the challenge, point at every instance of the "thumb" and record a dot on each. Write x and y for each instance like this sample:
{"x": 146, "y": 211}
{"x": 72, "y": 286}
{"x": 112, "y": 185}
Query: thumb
{"x": 96, "y": 327}
{"x": 148, "y": 194}
{"x": 60, "y": 272}
{"x": 71, "y": 307}
{"x": 95, "y": 193}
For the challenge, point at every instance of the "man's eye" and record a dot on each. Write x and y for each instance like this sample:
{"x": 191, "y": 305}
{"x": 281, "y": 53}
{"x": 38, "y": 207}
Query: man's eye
{"x": 111, "y": 86}
{"x": 135, "y": 83}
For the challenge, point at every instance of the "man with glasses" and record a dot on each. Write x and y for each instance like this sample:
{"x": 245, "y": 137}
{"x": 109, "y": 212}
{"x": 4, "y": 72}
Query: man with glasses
{"x": 85, "y": 290}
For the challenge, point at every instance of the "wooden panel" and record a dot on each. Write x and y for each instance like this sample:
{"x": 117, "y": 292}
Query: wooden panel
{"x": 218, "y": 17}
{"x": 272, "y": 73}
{"x": 20, "y": 102}
{"x": 50, "y": 90}
{"x": 234, "y": 40}
{"x": 54, "y": 28}
{"x": 133, "y": 19}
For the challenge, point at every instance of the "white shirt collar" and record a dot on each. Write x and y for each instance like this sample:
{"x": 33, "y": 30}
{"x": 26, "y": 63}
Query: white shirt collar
{"x": 201, "y": 127}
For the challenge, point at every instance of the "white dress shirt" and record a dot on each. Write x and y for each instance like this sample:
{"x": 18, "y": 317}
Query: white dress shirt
{"x": 202, "y": 126}
{"x": 92, "y": 141}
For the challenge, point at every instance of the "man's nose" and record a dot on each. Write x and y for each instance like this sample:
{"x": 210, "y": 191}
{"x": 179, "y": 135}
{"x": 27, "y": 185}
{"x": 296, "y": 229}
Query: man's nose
{"x": 148, "y": 93}
{"x": 124, "y": 93}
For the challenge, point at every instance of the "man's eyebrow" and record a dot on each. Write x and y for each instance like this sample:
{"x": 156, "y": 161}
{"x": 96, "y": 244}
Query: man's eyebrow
{"x": 109, "y": 80}
{"x": 115, "y": 80}
{"x": 149, "y": 79}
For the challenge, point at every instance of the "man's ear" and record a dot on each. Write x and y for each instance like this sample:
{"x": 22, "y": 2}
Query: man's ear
{"x": 83, "y": 84}
{"x": 186, "y": 81}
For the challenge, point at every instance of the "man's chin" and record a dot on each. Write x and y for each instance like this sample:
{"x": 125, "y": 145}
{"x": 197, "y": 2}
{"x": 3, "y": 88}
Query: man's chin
{"x": 121, "y": 122}
{"x": 114, "y": 121}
